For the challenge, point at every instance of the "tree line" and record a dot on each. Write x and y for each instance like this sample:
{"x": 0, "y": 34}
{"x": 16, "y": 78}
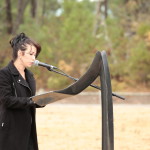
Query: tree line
{"x": 71, "y": 31}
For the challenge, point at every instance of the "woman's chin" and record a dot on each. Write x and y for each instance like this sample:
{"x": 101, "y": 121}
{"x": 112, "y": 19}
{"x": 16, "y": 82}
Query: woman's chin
{"x": 28, "y": 66}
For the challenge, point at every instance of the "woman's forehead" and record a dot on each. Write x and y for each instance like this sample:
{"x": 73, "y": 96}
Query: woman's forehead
{"x": 31, "y": 48}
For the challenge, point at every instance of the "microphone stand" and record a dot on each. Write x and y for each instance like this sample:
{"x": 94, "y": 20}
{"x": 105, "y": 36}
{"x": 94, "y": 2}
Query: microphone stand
{"x": 76, "y": 79}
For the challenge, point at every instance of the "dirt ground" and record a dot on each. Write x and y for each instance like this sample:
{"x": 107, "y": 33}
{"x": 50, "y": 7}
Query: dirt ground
{"x": 78, "y": 127}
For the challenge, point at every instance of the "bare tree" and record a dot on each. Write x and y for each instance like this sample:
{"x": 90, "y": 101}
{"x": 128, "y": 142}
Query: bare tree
{"x": 9, "y": 16}
{"x": 101, "y": 13}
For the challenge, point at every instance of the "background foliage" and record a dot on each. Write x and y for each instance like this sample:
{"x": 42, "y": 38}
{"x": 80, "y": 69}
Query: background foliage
{"x": 71, "y": 31}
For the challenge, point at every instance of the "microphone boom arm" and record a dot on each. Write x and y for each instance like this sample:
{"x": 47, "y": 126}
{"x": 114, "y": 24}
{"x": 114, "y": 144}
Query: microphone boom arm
{"x": 76, "y": 79}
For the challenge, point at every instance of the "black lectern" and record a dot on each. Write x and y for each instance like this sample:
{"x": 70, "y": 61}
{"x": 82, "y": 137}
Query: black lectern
{"x": 99, "y": 67}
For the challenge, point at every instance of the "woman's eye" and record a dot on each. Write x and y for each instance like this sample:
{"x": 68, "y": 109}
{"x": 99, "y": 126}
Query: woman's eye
{"x": 33, "y": 55}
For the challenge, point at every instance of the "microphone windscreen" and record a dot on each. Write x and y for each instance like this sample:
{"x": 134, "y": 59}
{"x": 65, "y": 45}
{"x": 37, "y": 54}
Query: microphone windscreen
{"x": 36, "y": 62}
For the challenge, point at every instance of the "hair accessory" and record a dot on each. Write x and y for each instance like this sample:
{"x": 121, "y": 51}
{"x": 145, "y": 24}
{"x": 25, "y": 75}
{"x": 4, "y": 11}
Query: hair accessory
{"x": 19, "y": 38}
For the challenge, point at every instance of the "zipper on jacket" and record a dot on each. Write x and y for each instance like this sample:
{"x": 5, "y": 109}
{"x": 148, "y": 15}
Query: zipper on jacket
{"x": 2, "y": 124}
{"x": 24, "y": 85}
{"x": 2, "y": 119}
{"x": 15, "y": 89}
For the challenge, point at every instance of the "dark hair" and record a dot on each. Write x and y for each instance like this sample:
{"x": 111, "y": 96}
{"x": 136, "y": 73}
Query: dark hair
{"x": 19, "y": 43}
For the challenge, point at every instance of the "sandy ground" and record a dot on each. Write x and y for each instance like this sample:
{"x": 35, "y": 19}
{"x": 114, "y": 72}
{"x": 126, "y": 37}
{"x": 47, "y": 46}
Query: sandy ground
{"x": 78, "y": 127}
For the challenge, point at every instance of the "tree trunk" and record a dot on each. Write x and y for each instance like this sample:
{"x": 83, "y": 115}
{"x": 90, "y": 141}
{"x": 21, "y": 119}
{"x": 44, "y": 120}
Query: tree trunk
{"x": 100, "y": 14}
{"x": 33, "y": 8}
{"x": 43, "y": 8}
{"x": 9, "y": 17}
{"x": 105, "y": 5}
{"x": 98, "y": 18}
{"x": 21, "y": 8}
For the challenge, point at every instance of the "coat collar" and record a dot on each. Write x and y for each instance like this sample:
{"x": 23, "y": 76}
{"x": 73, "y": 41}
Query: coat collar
{"x": 29, "y": 76}
{"x": 12, "y": 68}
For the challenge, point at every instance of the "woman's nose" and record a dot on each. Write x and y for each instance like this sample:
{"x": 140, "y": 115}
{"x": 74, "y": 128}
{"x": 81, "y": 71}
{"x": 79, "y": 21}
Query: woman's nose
{"x": 33, "y": 57}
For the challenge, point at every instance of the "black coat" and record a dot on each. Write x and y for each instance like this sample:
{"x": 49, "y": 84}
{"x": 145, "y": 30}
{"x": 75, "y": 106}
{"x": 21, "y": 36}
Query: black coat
{"x": 17, "y": 117}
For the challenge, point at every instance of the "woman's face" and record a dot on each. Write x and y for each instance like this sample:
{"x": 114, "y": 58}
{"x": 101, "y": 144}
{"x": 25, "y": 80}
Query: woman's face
{"x": 27, "y": 57}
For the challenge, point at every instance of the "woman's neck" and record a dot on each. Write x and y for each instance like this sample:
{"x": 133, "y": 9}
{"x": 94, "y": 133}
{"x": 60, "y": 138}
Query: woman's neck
{"x": 20, "y": 67}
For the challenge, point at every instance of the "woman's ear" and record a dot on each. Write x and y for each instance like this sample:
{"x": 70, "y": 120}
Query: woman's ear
{"x": 19, "y": 54}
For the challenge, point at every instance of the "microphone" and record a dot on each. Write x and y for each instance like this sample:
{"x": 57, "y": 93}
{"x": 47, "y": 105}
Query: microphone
{"x": 38, "y": 63}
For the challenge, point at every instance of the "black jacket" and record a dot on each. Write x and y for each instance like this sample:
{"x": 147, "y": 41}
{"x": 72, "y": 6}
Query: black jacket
{"x": 17, "y": 116}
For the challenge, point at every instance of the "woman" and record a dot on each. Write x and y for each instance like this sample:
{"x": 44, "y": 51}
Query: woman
{"x": 17, "y": 85}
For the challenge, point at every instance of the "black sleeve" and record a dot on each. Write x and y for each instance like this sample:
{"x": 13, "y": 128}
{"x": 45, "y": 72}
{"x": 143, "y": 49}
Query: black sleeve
{"x": 37, "y": 106}
{"x": 6, "y": 94}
